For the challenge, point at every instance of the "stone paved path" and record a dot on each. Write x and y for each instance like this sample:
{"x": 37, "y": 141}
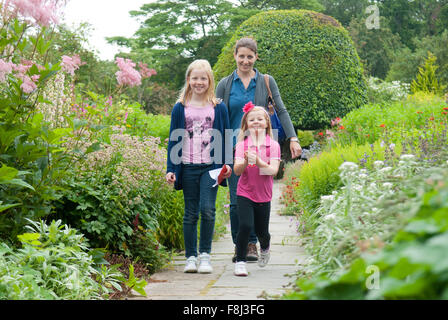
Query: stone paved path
{"x": 172, "y": 284}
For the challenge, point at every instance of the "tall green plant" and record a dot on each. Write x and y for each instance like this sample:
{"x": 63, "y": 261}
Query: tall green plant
{"x": 426, "y": 79}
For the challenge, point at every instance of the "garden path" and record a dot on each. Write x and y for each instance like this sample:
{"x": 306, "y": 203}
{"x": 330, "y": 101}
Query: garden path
{"x": 171, "y": 283}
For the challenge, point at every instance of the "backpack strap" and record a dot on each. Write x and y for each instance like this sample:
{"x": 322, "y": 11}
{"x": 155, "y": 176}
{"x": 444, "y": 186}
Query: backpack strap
{"x": 270, "y": 99}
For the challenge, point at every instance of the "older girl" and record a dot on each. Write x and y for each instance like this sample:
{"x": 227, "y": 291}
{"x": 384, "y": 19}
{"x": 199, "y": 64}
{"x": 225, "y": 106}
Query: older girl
{"x": 198, "y": 119}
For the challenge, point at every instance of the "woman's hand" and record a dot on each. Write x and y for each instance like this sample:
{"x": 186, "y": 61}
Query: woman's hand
{"x": 170, "y": 177}
{"x": 296, "y": 149}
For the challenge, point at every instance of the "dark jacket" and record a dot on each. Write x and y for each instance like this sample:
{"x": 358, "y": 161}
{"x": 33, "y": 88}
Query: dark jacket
{"x": 220, "y": 123}
{"x": 261, "y": 99}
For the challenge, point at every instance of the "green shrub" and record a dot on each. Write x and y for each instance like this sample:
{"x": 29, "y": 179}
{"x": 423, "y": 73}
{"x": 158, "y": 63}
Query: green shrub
{"x": 320, "y": 175}
{"x": 313, "y": 60}
{"x": 52, "y": 264}
{"x": 115, "y": 193}
{"x": 426, "y": 79}
{"x": 306, "y": 138}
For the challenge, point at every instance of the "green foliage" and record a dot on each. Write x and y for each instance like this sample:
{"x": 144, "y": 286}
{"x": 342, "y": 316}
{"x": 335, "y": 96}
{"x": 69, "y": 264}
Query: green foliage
{"x": 426, "y": 79}
{"x": 369, "y": 123}
{"x": 405, "y": 61}
{"x": 320, "y": 175}
{"x": 412, "y": 266}
{"x": 312, "y": 59}
{"x": 306, "y": 138}
{"x": 52, "y": 264}
{"x": 30, "y": 148}
{"x": 375, "y": 47}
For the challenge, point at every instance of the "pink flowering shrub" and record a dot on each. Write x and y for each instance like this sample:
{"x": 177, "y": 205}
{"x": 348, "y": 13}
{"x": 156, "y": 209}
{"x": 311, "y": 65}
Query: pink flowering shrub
{"x": 42, "y": 12}
{"x": 127, "y": 75}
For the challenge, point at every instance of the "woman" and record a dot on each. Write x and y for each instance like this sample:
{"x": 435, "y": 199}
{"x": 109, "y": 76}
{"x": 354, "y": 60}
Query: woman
{"x": 243, "y": 85}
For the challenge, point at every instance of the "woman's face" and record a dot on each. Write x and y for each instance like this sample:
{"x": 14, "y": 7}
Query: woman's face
{"x": 245, "y": 59}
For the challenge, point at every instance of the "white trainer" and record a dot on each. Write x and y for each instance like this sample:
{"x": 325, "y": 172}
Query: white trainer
{"x": 190, "y": 265}
{"x": 264, "y": 257}
{"x": 240, "y": 269}
{"x": 204, "y": 263}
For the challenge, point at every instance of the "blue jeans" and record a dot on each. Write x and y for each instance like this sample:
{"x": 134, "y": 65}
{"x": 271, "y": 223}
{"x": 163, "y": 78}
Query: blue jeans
{"x": 199, "y": 197}
{"x": 234, "y": 219}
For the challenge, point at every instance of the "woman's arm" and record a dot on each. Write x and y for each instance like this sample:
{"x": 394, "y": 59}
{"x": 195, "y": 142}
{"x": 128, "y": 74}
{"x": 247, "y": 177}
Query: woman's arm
{"x": 285, "y": 119}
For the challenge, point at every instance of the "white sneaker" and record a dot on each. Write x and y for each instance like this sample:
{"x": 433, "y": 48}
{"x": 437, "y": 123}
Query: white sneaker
{"x": 264, "y": 257}
{"x": 240, "y": 269}
{"x": 204, "y": 263}
{"x": 190, "y": 265}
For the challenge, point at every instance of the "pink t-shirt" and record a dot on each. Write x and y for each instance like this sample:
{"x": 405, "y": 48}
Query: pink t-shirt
{"x": 253, "y": 184}
{"x": 196, "y": 142}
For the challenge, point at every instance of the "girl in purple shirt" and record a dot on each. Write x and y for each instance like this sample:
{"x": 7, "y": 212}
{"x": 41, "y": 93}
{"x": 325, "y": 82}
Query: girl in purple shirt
{"x": 257, "y": 159}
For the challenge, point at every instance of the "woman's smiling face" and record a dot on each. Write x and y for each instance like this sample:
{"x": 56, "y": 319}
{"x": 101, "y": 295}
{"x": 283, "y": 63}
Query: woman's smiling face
{"x": 245, "y": 59}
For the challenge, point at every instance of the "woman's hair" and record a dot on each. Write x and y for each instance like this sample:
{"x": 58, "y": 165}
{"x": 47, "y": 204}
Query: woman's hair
{"x": 185, "y": 93}
{"x": 246, "y": 42}
{"x": 244, "y": 128}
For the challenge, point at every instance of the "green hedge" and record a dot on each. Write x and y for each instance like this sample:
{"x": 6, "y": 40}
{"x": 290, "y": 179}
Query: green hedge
{"x": 313, "y": 60}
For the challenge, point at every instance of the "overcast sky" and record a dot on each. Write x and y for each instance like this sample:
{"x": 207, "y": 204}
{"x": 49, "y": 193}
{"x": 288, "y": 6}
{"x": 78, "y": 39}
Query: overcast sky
{"x": 108, "y": 17}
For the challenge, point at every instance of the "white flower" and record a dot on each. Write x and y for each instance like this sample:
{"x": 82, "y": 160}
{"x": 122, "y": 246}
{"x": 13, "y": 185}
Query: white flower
{"x": 330, "y": 216}
{"x": 387, "y": 185}
{"x": 392, "y": 146}
{"x": 386, "y": 169}
{"x": 378, "y": 164}
{"x": 327, "y": 198}
{"x": 348, "y": 166}
{"x": 407, "y": 157}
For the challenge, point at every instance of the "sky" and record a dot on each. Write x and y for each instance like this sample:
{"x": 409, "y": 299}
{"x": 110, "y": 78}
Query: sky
{"x": 108, "y": 18}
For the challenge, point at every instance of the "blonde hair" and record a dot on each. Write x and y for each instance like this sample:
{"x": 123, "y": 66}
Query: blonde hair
{"x": 242, "y": 134}
{"x": 185, "y": 93}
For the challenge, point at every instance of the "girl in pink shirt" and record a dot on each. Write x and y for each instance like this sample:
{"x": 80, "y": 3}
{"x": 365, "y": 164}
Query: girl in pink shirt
{"x": 257, "y": 159}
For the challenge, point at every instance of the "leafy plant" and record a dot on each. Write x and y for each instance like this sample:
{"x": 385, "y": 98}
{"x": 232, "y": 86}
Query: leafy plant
{"x": 426, "y": 79}
{"x": 412, "y": 266}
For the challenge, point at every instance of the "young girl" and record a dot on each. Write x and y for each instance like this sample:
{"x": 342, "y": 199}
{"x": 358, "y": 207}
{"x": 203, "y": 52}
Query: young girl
{"x": 197, "y": 131}
{"x": 257, "y": 158}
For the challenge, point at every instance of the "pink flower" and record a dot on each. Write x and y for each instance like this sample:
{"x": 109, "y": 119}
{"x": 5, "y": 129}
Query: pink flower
{"x": 5, "y": 69}
{"x": 248, "y": 106}
{"x": 28, "y": 84}
{"x": 70, "y": 64}
{"x": 127, "y": 74}
{"x": 335, "y": 121}
{"x": 144, "y": 71}
{"x": 42, "y": 11}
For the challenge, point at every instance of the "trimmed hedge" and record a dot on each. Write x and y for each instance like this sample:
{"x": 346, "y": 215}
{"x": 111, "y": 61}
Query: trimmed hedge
{"x": 313, "y": 60}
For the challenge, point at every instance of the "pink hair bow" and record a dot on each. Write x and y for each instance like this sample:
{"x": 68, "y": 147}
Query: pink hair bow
{"x": 248, "y": 106}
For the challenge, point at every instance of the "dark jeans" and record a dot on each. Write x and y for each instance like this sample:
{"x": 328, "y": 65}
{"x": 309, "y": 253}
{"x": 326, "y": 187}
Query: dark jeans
{"x": 199, "y": 197}
{"x": 252, "y": 214}
{"x": 234, "y": 220}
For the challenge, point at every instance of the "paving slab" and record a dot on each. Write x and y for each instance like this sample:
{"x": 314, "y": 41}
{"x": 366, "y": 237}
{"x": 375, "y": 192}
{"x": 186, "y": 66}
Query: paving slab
{"x": 171, "y": 283}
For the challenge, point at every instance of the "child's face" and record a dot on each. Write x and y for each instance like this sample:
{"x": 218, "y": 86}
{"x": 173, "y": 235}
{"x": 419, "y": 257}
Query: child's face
{"x": 199, "y": 81}
{"x": 256, "y": 121}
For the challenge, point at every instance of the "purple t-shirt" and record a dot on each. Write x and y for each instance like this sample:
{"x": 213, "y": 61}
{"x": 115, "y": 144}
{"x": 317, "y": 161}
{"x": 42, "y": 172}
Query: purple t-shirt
{"x": 253, "y": 184}
{"x": 196, "y": 141}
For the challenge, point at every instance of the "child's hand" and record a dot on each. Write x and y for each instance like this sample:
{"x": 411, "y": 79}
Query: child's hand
{"x": 170, "y": 177}
{"x": 251, "y": 157}
{"x": 228, "y": 172}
